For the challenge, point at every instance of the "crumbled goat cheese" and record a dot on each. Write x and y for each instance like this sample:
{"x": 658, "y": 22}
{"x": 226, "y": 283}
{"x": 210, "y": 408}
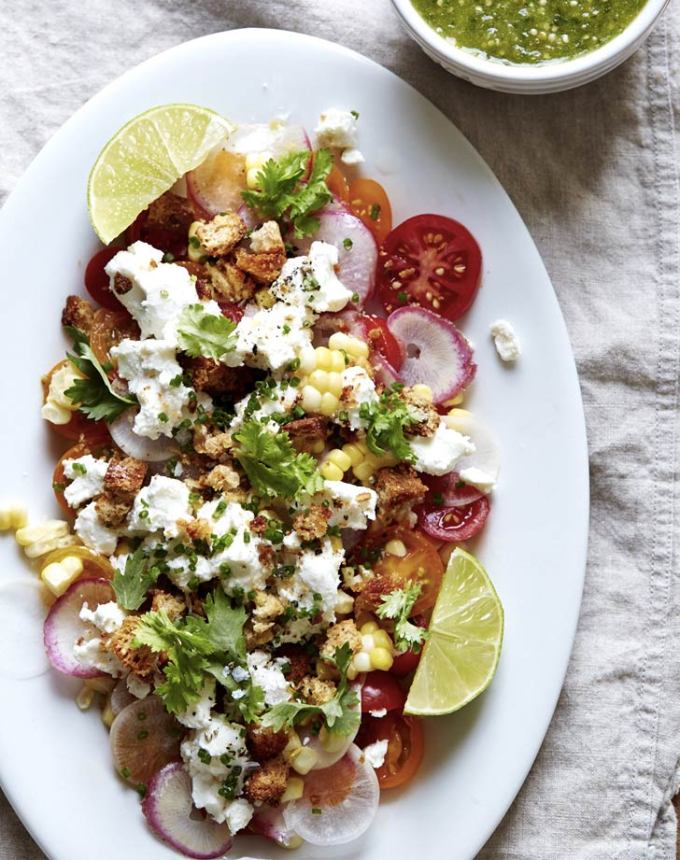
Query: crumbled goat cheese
{"x": 149, "y": 366}
{"x": 351, "y": 506}
{"x": 276, "y": 401}
{"x": 375, "y": 753}
{"x": 311, "y": 281}
{"x": 238, "y": 814}
{"x": 107, "y": 617}
{"x": 271, "y": 338}
{"x": 154, "y": 293}
{"x": 337, "y": 129}
{"x": 267, "y": 238}
{"x": 438, "y": 454}
{"x": 90, "y": 653}
{"x": 267, "y": 674}
{"x": 86, "y": 475}
{"x": 317, "y": 573}
{"x": 198, "y": 715}
{"x": 505, "y": 340}
{"x": 136, "y": 687}
{"x": 477, "y": 478}
{"x": 158, "y": 507}
{"x": 358, "y": 388}
{"x": 93, "y": 533}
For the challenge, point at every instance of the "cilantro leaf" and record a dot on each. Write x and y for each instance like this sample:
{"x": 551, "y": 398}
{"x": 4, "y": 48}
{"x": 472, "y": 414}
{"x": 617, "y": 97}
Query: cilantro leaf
{"x": 202, "y": 333}
{"x": 341, "y": 714}
{"x": 250, "y": 701}
{"x": 93, "y": 394}
{"x": 283, "y": 194}
{"x": 386, "y": 421}
{"x": 132, "y": 583}
{"x": 398, "y": 605}
{"x": 225, "y": 624}
{"x": 273, "y": 466}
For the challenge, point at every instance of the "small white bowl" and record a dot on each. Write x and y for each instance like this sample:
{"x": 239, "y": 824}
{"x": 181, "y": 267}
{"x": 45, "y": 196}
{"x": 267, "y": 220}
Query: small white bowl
{"x": 549, "y": 77}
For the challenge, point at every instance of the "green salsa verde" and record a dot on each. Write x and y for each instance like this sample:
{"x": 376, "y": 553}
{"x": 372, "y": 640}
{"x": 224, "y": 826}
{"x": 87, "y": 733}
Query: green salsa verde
{"x": 529, "y": 31}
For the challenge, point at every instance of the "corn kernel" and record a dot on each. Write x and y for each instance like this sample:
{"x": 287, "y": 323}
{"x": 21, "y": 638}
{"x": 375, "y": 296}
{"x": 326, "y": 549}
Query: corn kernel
{"x": 329, "y": 404}
{"x": 59, "y": 575}
{"x": 103, "y": 685}
{"x": 367, "y": 642}
{"x": 339, "y": 341}
{"x": 303, "y": 760}
{"x": 252, "y": 177}
{"x": 319, "y": 379}
{"x": 423, "y": 391}
{"x": 364, "y": 471}
{"x": 194, "y": 250}
{"x": 362, "y": 662}
{"x": 338, "y": 363}
{"x": 317, "y": 446}
{"x": 351, "y": 672}
{"x": 381, "y": 659}
{"x": 295, "y": 788}
{"x": 307, "y": 357}
{"x": 107, "y": 715}
{"x": 396, "y": 547}
{"x": 48, "y": 529}
{"x": 311, "y": 399}
{"x": 340, "y": 458}
{"x": 382, "y": 640}
{"x": 5, "y": 521}
{"x": 354, "y": 453}
{"x": 323, "y": 357}
{"x": 292, "y": 746}
{"x": 325, "y": 671}
{"x": 331, "y": 472}
{"x": 368, "y": 627}
{"x": 12, "y": 518}
{"x": 336, "y": 543}
{"x": 335, "y": 384}
{"x": 356, "y": 348}
{"x": 344, "y": 603}
{"x": 85, "y": 698}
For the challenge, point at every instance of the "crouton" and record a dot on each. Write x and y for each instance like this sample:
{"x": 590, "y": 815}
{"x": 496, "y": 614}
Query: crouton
{"x": 112, "y": 511}
{"x": 267, "y": 606}
{"x": 315, "y": 691}
{"x": 300, "y": 663}
{"x": 124, "y": 477}
{"x": 229, "y": 283}
{"x": 265, "y": 553}
{"x": 267, "y": 239}
{"x": 173, "y": 606}
{"x": 195, "y": 529}
{"x": 422, "y": 411}
{"x": 258, "y": 633}
{"x": 264, "y": 743}
{"x": 306, "y": 433}
{"x": 398, "y": 488}
{"x": 312, "y": 523}
{"x": 208, "y": 374}
{"x": 78, "y": 313}
{"x": 265, "y": 298}
{"x": 267, "y": 784}
{"x": 142, "y": 661}
{"x": 170, "y": 212}
{"x": 372, "y": 591}
{"x": 337, "y": 636}
{"x": 214, "y": 445}
{"x": 264, "y": 268}
{"x": 218, "y": 236}
{"x": 221, "y": 478}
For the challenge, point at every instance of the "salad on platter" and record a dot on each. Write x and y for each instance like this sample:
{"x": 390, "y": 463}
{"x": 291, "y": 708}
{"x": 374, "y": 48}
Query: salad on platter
{"x": 261, "y": 577}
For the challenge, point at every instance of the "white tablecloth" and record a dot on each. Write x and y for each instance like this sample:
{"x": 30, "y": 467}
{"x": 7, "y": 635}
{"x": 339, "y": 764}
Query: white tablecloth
{"x": 594, "y": 173}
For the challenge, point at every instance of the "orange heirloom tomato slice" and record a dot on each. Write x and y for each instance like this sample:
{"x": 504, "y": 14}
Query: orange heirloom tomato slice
{"x": 337, "y": 184}
{"x": 405, "y": 746}
{"x": 94, "y": 565}
{"x": 109, "y": 328}
{"x": 421, "y": 564}
{"x": 368, "y": 200}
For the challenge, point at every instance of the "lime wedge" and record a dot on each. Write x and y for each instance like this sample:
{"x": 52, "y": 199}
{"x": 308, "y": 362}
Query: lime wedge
{"x": 466, "y": 633}
{"x": 145, "y": 158}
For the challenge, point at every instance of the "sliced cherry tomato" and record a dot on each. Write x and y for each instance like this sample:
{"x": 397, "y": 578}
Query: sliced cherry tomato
{"x": 109, "y": 328}
{"x": 381, "y": 339}
{"x": 431, "y": 261}
{"x": 93, "y": 563}
{"x": 454, "y": 524}
{"x": 368, "y": 200}
{"x": 97, "y": 281}
{"x": 405, "y": 663}
{"x": 449, "y": 491}
{"x": 79, "y": 427}
{"x": 421, "y": 565}
{"x": 171, "y": 238}
{"x": 379, "y": 691}
{"x": 405, "y": 746}
{"x": 338, "y": 184}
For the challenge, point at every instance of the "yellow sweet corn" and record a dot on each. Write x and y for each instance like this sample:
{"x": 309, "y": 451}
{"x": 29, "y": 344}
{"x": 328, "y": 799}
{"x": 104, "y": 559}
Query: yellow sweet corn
{"x": 377, "y": 651}
{"x": 455, "y": 401}
{"x": 348, "y": 344}
{"x": 59, "y": 575}
{"x": 12, "y": 518}
{"x": 254, "y": 163}
{"x": 423, "y": 391}
{"x": 396, "y": 547}
{"x": 41, "y": 539}
{"x": 295, "y": 788}
{"x": 303, "y": 760}
{"x": 85, "y": 698}
{"x": 58, "y": 408}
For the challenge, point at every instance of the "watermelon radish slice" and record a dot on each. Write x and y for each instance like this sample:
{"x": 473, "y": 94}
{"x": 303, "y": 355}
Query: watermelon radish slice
{"x": 63, "y": 626}
{"x": 268, "y": 821}
{"x": 437, "y": 354}
{"x": 144, "y": 738}
{"x": 169, "y": 809}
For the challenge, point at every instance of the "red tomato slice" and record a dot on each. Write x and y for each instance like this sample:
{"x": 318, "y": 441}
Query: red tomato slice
{"x": 454, "y": 524}
{"x": 431, "y": 261}
{"x": 381, "y": 339}
{"x": 97, "y": 281}
{"x": 405, "y": 746}
{"x": 449, "y": 491}
{"x": 380, "y": 691}
{"x": 405, "y": 663}
{"x": 110, "y": 328}
{"x": 368, "y": 200}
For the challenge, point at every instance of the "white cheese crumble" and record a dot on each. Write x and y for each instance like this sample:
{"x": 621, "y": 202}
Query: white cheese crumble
{"x": 271, "y": 338}
{"x": 276, "y": 400}
{"x": 93, "y": 533}
{"x": 375, "y": 753}
{"x": 150, "y": 366}
{"x": 477, "y": 478}
{"x": 267, "y": 674}
{"x": 158, "y": 507}
{"x": 337, "y": 129}
{"x": 311, "y": 281}
{"x": 86, "y": 475}
{"x": 358, "y": 388}
{"x": 506, "y": 341}
{"x": 90, "y": 653}
{"x": 317, "y": 573}
{"x": 351, "y": 506}
{"x": 198, "y": 715}
{"x": 438, "y": 454}
{"x": 136, "y": 687}
{"x": 107, "y": 617}
{"x": 159, "y": 291}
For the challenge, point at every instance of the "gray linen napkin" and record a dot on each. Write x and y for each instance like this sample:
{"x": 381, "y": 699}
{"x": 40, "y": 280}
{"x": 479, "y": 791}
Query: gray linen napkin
{"x": 594, "y": 173}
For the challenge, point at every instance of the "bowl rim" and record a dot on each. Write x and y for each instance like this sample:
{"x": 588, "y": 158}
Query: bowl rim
{"x": 589, "y": 64}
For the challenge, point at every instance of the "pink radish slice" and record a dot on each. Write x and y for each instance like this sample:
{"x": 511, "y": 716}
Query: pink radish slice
{"x": 139, "y": 447}
{"x": 347, "y": 794}
{"x": 270, "y": 139}
{"x": 268, "y": 821}
{"x": 64, "y": 628}
{"x": 437, "y": 354}
{"x": 332, "y": 747}
{"x": 248, "y": 217}
{"x": 216, "y": 184}
{"x": 144, "y": 738}
{"x": 121, "y": 697}
{"x": 453, "y": 492}
{"x": 356, "y": 264}
{"x": 169, "y": 809}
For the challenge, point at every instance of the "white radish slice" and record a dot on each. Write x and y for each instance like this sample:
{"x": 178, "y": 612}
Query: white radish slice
{"x": 437, "y": 354}
{"x": 357, "y": 249}
{"x": 330, "y": 747}
{"x": 121, "y": 697}
{"x": 273, "y": 139}
{"x": 144, "y": 738}
{"x": 149, "y": 450}
{"x": 481, "y": 467}
{"x": 347, "y": 793}
{"x": 268, "y": 821}
{"x": 216, "y": 184}
{"x": 169, "y": 809}
{"x": 64, "y": 627}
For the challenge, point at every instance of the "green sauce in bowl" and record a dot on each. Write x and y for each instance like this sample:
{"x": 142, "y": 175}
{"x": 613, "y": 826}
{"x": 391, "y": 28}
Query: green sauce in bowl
{"x": 529, "y": 31}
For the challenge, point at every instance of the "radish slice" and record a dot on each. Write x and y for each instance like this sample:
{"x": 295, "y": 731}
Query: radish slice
{"x": 437, "y": 354}
{"x": 172, "y": 816}
{"x": 121, "y": 697}
{"x": 356, "y": 264}
{"x": 271, "y": 139}
{"x": 149, "y": 450}
{"x": 481, "y": 468}
{"x": 347, "y": 793}
{"x": 268, "y": 821}
{"x": 216, "y": 184}
{"x": 64, "y": 626}
{"x": 144, "y": 738}
{"x": 453, "y": 490}
{"x": 333, "y": 747}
